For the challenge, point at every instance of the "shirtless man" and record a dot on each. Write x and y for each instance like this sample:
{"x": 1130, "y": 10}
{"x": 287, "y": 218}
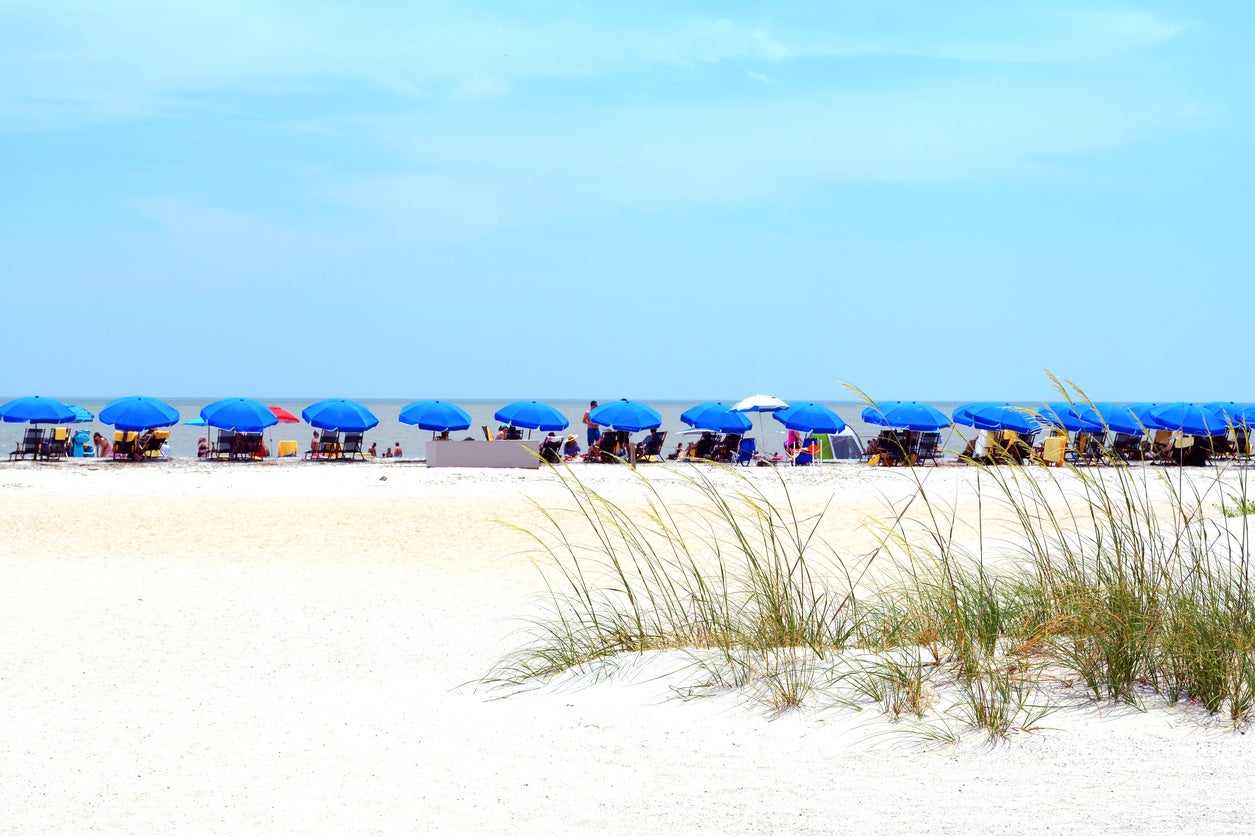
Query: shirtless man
{"x": 594, "y": 432}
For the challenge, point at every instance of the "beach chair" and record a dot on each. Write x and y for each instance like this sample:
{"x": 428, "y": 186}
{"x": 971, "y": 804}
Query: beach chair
{"x": 352, "y": 447}
{"x": 745, "y": 452}
{"x": 222, "y": 445}
{"x": 56, "y": 446}
{"x": 152, "y": 447}
{"x": 725, "y": 448}
{"x": 245, "y": 446}
{"x": 30, "y": 445}
{"x": 803, "y": 458}
{"x": 124, "y": 443}
{"x": 705, "y": 446}
{"x": 928, "y": 449}
{"x": 650, "y": 450}
{"x": 1128, "y": 446}
{"x": 1053, "y": 450}
{"x": 1241, "y": 443}
{"x": 551, "y": 449}
{"x": 329, "y": 447}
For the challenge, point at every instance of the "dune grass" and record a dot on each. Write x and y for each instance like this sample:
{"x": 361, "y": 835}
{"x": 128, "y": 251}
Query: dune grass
{"x": 1104, "y": 584}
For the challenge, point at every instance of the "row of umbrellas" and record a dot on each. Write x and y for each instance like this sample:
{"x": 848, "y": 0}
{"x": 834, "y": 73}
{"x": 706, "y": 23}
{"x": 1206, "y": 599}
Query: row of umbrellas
{"x": 143, "y": 413}
{"x": 1188, "y": 418}
{"x": 343, "y": 415}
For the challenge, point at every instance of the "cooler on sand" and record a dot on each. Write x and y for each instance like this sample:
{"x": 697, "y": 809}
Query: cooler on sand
{"x": 82, "y": 445}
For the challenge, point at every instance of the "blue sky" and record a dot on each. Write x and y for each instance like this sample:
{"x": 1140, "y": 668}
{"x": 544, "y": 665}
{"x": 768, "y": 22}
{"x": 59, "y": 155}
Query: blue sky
{"x": 929, "y": 200}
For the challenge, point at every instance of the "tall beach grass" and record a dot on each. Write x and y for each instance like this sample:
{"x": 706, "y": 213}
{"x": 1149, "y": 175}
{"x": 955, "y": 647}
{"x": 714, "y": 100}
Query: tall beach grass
{"x": 1112, "y": 583}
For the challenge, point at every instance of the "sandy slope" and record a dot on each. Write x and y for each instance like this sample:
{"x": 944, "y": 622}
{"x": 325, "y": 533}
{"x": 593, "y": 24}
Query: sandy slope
{"x": 295, "y": 647}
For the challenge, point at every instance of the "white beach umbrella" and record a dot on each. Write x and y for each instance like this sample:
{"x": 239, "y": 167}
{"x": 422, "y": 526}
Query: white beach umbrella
{"x": 760, "y": 404}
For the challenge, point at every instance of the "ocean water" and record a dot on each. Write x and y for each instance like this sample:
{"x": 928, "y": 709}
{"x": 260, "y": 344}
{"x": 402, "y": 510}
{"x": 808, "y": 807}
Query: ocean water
{"x": 769, "y": 433}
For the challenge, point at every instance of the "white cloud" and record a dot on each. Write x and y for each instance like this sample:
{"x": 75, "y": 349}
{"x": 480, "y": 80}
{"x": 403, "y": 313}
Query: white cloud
{"x": 132, "y": 59}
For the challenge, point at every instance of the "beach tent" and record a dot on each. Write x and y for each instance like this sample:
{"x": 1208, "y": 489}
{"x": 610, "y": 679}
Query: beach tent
{"x": 842, "y": 445}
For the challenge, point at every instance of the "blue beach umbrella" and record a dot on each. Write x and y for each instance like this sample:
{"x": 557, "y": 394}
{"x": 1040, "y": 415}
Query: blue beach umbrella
{"x": 809, "y": 418}
{"x": 239, "y": 414}
{"x": 1188, "y": 418}
{"x": 716, "y": 417}
{"x": 339, "y": 415}
{"x": 81, "y": 416}
{"x": 1141, "y": 411}
{"x": 1232, "y": 412}
{"x": 626, "y": 415}
{"x": 37, "y": 410}
{"x": 963, "y": 414}
{"x": 1069, "y": 417}
{"x": 436, "y": 416}
{"x": 138, "y": 413}
{"x": 531, "y": 415}
{"x": 993, "y": 415}
{"x": 1116, "y": 418}
{"x": 907, "y": 415}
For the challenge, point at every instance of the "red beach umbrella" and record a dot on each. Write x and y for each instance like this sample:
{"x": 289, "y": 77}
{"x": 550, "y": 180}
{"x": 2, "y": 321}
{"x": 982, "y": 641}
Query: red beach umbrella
{"x": 284, "y": 416}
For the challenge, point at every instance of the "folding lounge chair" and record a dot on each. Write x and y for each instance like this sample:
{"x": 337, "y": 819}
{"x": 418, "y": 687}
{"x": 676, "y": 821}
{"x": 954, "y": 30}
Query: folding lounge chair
{"x": 613, "y": 446}
{"x": 57, "y": 444}
{"x": 928, "y": 449}
{"x": 745, "y": 453}
{"x": 124, "y": 443}
{"x": 352, "y": 447}
{"x": 223, "y": 445}
{"x": 1053, "y": 450}
{"x": 31, "y": 444}
{"x": 650, "y": 450}
{"x": 1091, "y": 448}
{"x": 1242, "y": 443}
{"x": 329, "y": 446}
{"x": 803, "y": 458}
{"x": 152, "y": 449}
{"x": 551, "y": 449}
{"x": 1128, "y": 447}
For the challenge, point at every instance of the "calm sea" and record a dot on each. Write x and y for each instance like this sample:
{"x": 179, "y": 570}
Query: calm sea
{"x": 769, "y": 432}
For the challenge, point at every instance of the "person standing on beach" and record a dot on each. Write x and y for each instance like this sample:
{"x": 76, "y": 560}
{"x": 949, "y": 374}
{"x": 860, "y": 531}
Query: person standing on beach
{"x": 594, "y": 432}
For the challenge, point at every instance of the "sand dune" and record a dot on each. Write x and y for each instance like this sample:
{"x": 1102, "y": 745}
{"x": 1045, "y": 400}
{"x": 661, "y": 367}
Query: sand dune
{"x": 296, "y": 648}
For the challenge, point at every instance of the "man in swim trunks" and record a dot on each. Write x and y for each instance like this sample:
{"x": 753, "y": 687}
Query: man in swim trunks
{"x": 594, "y": 432}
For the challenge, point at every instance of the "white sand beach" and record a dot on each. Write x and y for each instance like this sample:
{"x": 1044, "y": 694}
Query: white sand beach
{"x": 298, "y": 648}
